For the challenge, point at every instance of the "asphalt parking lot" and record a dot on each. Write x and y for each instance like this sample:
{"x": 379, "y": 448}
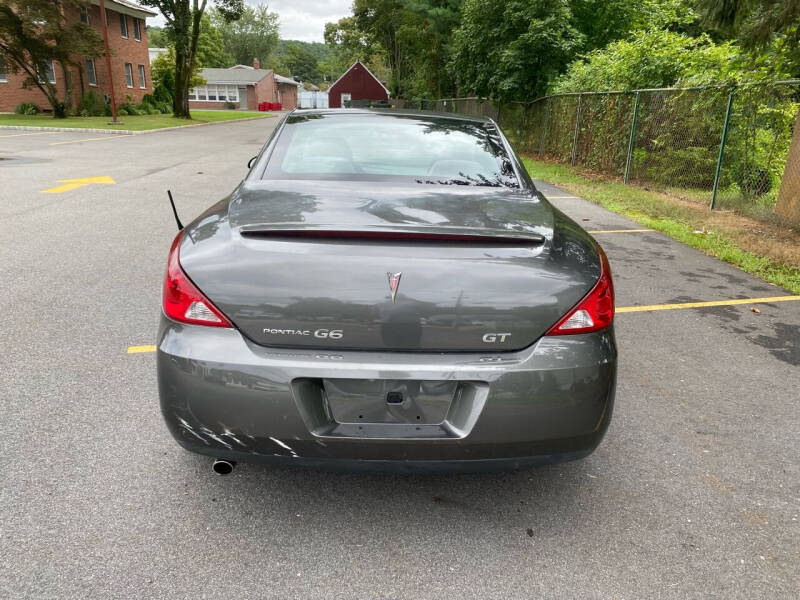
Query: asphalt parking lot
{"x": 695, "y": 492}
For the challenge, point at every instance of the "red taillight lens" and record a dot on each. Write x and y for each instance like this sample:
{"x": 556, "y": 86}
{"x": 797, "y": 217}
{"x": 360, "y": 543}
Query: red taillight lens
{"x": 595, "y": 311}
{"x": 182, "y": 301}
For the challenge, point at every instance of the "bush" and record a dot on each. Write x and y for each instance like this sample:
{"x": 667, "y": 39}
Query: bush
{"x": 230, "y": 105}
{"x": 26, "y": 108}
{"x": 691, "y": 167}
{"x": 755, "y": 182}
{"x": 92, "y": 105}
{"x": 153, "y": 106}
{"x": 162, "y": 93}
{"x": 129, "y": 108}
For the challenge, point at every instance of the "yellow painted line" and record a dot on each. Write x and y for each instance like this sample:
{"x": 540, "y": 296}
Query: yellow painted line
{"x": 620, "y": 230}
{"x": 619, "y": 310}
{"x": 140, "y": 349}
{"x": 628, "y": 309}
{"x": 72, "y": 184}
{"x": 110, "y": 136}
{"x": 35, "y": 133}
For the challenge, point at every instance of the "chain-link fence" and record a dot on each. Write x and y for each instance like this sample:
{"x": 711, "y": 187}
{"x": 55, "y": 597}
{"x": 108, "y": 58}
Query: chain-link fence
{"x": 725, "y": 146}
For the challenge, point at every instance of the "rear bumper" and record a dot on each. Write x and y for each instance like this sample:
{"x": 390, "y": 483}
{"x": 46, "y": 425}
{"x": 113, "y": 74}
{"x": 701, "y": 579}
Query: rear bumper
{"x": 225, "y": 397}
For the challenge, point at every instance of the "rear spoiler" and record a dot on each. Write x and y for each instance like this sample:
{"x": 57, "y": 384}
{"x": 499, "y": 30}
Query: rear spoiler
{"x": 431, "y": 234}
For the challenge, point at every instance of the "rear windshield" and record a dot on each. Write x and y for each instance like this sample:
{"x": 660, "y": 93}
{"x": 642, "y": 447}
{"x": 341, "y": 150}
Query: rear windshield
{"x": 391, "y": 147}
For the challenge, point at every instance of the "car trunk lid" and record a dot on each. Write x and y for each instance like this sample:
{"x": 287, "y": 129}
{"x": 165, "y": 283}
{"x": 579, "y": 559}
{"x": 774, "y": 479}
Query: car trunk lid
{"x": 405, "y": 270}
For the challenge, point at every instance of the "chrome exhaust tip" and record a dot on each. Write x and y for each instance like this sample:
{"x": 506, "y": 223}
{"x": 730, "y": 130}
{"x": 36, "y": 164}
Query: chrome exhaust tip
{"x": 223, "y": 466}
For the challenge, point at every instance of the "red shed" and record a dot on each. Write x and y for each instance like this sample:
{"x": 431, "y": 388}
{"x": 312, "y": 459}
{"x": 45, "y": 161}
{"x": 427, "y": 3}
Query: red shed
{"x": 357, "y": 83}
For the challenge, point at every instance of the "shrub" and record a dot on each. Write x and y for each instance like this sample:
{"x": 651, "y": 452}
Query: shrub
{"x": 92, "y": 105}
{"x": 755, "y": 181}
{"x": 128, "y": 108}
{"x": 691, "y": 167}
{"x": 151, "y": 105}
{"x": 26, "y": 108}
{"x": 162, "y": 93}
{"x": 230, "y": 105}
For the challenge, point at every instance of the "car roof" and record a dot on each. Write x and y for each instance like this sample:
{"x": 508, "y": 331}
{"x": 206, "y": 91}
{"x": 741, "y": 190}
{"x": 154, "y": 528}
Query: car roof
{"x": 425, "y": 114}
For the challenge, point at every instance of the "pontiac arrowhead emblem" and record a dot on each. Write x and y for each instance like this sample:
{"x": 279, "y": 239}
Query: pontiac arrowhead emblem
{"x": 394, "y": 283}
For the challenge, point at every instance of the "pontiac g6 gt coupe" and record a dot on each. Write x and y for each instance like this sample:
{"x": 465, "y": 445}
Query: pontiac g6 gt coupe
{"x": 387, "y": 290}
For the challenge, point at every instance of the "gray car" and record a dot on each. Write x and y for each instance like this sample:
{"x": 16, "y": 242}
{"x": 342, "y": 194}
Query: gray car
{"x": 387, "y": 290}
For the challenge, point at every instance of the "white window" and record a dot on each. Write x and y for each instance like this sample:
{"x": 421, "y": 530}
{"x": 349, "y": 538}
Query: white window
{"x": 85, "y": 15}
{"x": 215, "y": 93}
{"x": 123, "y": 25}
{"x": 91, "y": 72}
{"x": 3, "y": 71}
{"x": 344, "y": 98}
{"x": 129, "y": 75}
{"x": 137, "y": 30}
{"x": 142, "y": 82}
{"x": 50, "y": 72}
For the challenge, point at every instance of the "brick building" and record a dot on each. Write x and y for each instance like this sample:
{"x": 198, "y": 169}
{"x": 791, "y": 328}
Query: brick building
{"x": 245, "y": 87}
{"x": 130, "y": 63}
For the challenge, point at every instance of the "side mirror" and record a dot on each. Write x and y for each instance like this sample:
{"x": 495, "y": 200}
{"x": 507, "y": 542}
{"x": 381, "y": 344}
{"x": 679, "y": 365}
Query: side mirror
{"x": 251, "y": 161}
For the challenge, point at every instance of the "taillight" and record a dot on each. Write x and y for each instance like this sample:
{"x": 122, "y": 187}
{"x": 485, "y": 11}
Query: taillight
{"x": 595, "y": 311}
{"x": 182, "y": 301}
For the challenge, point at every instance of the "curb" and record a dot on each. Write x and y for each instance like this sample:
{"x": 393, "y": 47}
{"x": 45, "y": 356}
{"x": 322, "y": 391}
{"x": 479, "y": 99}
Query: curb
{"x": 127, "y": 131}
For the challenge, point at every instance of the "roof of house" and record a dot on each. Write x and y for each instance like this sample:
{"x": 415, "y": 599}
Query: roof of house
{"x": 234, "y": 75}
{"x": 282, "y": 79}
{"x": 132, "y": 8}
{"x": 242, "y": 74}
{"x": 358, "y": 62}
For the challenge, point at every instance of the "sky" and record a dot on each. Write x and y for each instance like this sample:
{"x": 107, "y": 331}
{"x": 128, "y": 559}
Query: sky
{"x": 305, "y": 19}
{"x": 300, "y": 19}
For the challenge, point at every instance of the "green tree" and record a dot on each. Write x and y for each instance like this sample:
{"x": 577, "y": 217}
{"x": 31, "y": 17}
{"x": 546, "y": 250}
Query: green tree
{"x": 156, "y": 37}
{"x": 760, "y": 25}
{"x": 604, "y": 21}
{"x": 657, "y": 58}
{"x": 381, "y": 21}
{"x": 253, "y": 35}
{"x": 411, "y": 36}
{"x": 302, "y": 63}
{"x": 35, "y": 32}
{"x": 431, "y": 27}
{"x": 162, "y": 72}
{"x": 211, "y": 46}
{"x": 347, "y": 44}
{"x": 512, "y": 49}
{"x": 184, "y": 23}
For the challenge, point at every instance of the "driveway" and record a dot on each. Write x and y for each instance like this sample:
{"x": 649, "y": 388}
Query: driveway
{"x": 694, "y": 493}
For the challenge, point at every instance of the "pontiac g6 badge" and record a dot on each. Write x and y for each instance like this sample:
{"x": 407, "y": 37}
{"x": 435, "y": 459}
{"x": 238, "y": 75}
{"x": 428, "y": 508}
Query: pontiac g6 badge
{"x": 394, "y": 283}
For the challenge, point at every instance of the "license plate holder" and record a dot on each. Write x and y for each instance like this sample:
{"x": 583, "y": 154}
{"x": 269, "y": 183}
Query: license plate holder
{"x": 367, "y": 401}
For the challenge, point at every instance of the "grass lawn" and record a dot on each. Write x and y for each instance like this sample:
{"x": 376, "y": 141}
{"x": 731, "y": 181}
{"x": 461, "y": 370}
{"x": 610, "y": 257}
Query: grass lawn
{"x": 134, "y": 123}
{"x": 766, "y": 250}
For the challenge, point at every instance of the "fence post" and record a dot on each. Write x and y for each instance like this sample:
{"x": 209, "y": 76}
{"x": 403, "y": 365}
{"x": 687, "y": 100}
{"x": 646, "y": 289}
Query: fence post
{"x": 632, "y": 139}
{"x": 721, "y": 155}
{"x": 544, "y": 127}
{"x": 577, "y": 128}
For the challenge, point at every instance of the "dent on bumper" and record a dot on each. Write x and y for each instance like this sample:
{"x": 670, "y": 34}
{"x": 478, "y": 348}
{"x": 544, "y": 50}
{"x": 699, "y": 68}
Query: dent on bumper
{"x": 224, "y": 396}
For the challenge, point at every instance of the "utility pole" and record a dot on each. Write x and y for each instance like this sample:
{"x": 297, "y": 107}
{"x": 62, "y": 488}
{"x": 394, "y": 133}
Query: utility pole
{"x": 104, "y": 22}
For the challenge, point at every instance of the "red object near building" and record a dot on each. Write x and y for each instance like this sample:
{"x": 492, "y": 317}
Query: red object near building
{"x": 357, "y": 83}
